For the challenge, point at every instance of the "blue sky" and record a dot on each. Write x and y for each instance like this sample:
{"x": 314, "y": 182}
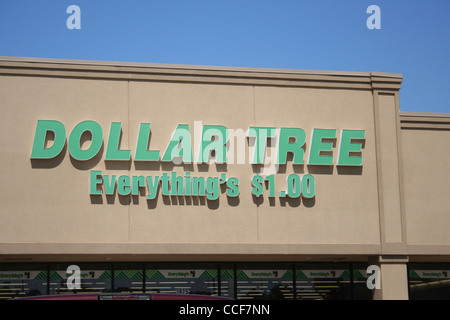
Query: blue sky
{"x": 414, "y": 38}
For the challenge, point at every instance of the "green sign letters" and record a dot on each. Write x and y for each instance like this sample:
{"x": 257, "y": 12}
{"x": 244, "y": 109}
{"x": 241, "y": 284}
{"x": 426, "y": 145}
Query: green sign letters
{"x": 180, "y": 150}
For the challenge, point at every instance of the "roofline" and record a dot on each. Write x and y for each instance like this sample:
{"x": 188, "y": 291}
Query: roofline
{"x": 196, "y": 67}
{"x": 425, "y": 121}
{"x": 194, "y": 73}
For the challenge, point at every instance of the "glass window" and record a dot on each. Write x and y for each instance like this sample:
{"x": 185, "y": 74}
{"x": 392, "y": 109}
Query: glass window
{"x": 227, "y": 280}
{"x": 181, "y": 278}
{"x": 94, "y": 278}
{"x": 128, "y": 277}
{"x": 301, "y": 281}
{"x": 322, "y": 281}
{"x": 272, "y": 281}
{"x": 20, "y": 280}
{"x": 429, "y": 281}
{"x": 360, "y": 289}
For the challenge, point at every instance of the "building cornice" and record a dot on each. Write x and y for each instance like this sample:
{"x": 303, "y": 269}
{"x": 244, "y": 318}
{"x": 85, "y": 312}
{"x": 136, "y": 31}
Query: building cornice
{"x": 425, "y": 121}
{"x": 197, "y": 74}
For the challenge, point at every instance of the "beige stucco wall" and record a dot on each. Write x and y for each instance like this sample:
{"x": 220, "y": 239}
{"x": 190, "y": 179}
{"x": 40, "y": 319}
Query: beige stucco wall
{"x": 46, "y": 207}
{"x": 42, "y": 204}
{"x": 53, "y": 204}
{"x": 427, "y": 184}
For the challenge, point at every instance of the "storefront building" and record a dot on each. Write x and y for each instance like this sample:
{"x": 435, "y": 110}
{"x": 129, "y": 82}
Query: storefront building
{"x": 237, "y": 182}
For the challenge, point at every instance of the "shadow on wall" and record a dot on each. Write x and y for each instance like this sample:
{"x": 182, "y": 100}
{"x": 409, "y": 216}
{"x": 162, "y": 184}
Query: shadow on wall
{"x": 187, "y": 200}
{"x": 167, "y": 200}
{"x": 285, "y": 201}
